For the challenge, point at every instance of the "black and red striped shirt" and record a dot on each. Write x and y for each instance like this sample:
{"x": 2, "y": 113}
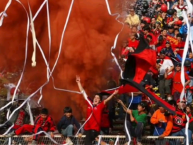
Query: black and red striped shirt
{"x": 179, "y": 120}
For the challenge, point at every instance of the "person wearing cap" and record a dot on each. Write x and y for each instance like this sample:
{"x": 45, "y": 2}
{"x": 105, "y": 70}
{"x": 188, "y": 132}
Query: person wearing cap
{"x": 168, "y": 50}
{"x": 138, "y": 119}
{"x": 164, "y": 84}
{"x": 67, "y": 123}
{"x": 43, "y": 122}
{"x": 176, "y": 81}
{"x": 170, "y": 30}
{"x": 163, "y": 122}
{"x": 132, "y": 19}
{"x": 179, "y": 123}
{"x": 94, "y": 113}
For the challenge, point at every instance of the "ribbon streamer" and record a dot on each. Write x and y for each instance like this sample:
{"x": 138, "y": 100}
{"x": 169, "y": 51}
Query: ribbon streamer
{"x": 3, "y": 14}
{"x": 116, "y": 38}
{"x": 117, "y": 140}
{"x": 182, "y": 71}
{"x": 30, "y": 114}
{"x": 86, "y": 98}
{"x": 33, "y": 37}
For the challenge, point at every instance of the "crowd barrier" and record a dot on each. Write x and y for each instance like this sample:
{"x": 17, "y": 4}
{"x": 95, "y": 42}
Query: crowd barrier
{"x": 109, "y": 139}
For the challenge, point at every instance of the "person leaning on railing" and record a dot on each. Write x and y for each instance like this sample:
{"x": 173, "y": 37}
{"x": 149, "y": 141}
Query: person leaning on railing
{"x": 137, "y": 121}
{"x": 163, "y": 122}
{"x": 179, "y": 123}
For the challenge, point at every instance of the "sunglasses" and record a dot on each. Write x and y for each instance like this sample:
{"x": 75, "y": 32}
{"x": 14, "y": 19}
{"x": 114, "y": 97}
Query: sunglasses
{"x": 182, "y": 102}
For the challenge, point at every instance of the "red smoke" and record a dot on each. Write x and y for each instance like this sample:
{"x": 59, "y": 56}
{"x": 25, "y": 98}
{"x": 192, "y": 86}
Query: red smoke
{"x": 86, "y": 49}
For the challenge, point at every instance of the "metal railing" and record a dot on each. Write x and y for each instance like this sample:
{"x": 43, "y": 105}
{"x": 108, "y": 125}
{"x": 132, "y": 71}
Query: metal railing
{"x": 108, "y": 139}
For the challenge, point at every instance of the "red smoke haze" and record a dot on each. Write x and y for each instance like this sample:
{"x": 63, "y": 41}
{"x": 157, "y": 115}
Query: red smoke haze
{"x": 86, "y": 49}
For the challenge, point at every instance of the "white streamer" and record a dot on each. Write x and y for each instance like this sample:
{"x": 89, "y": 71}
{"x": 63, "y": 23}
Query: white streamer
{"x": 26, "y": 56}
{"x": 115, "y": 41}
{"x": 3, "y": 14}
{"x": 117, "y": 140}
{"x": 33, "y": 38}
{"x": 99, "y": 141}
{"x": 126, "y": 128}
{"x": 39, "y": 9}
{"x": 30, "y": 114}
{"x": 41, "y": 96}
{"x": 86, "y": 98}
{"x": 49, "y": 37}
{"x": 26, "y": 50}
{"x": 182, "y": 71}
{"x": 9, "y": 129}
{"x": 9, "y": 143}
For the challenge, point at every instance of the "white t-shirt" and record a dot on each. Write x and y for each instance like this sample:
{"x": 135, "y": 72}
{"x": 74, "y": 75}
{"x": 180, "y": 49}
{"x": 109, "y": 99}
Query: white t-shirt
{"x": 167, "y": 63}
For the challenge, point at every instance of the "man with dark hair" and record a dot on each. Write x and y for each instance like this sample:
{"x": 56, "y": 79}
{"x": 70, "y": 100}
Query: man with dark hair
{"x": 66, "y": 124}
{"x": 138, "y": 119}
{"x": 43, "y": 122}
{"x": 179, "y": 123}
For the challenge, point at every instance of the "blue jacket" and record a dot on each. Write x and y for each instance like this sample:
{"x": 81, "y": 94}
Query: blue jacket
{"x": 159, "y": 130}
{"x": 65, "y": 122}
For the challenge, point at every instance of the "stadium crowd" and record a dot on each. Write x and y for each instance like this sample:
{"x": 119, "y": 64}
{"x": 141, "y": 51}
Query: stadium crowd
{"x": 162, "y": 25}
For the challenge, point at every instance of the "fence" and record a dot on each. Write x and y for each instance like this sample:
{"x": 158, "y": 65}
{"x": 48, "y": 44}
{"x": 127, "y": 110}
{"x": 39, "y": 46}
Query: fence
{"x": 105, "y": 139}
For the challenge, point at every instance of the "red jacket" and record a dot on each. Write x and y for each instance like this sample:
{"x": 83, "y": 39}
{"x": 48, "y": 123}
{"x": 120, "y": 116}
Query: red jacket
{"x": 105, "y": 122}
{"x": 94, "y": 123}
{"x": 46, "y": 125}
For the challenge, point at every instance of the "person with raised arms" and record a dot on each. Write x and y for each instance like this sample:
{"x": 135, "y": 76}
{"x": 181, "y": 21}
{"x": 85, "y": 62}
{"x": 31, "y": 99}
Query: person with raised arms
{"x": 93, "y": 123}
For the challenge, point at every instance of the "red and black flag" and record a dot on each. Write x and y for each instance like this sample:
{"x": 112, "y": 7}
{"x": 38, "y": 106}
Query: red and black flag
{"x": 136, "y": 67}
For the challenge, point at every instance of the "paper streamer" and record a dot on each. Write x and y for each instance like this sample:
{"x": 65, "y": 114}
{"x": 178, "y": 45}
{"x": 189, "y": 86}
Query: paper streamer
{"x": 117, "y": 140}
{"x": 49, "y": 37}
{"x": 86, "y": 98}
{"x": 182, "y": 71}
{"x": 116, "y": 61}
{"x": 33, "y": 38}
{"x": 26, "y": 57}
{"x": 126, "y": 128}
{"x": 26, "y": 50}
{"x": 3, "y": 14}
{"x": 39, "y": 9}
{"x": 30, "y": 114}
{"x": 99, "y": 141}
{"x": 116, "y": 38}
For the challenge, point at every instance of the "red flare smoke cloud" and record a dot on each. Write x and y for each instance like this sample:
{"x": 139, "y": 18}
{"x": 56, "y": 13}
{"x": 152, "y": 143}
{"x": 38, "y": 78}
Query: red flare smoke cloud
{"x": 86, "y": 49}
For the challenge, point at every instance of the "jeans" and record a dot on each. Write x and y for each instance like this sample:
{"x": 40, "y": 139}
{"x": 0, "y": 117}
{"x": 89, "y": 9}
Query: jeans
{"x": 68, "y": 131}
{"x": 181, "y": 133}
{"x": 135, "y": 131}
